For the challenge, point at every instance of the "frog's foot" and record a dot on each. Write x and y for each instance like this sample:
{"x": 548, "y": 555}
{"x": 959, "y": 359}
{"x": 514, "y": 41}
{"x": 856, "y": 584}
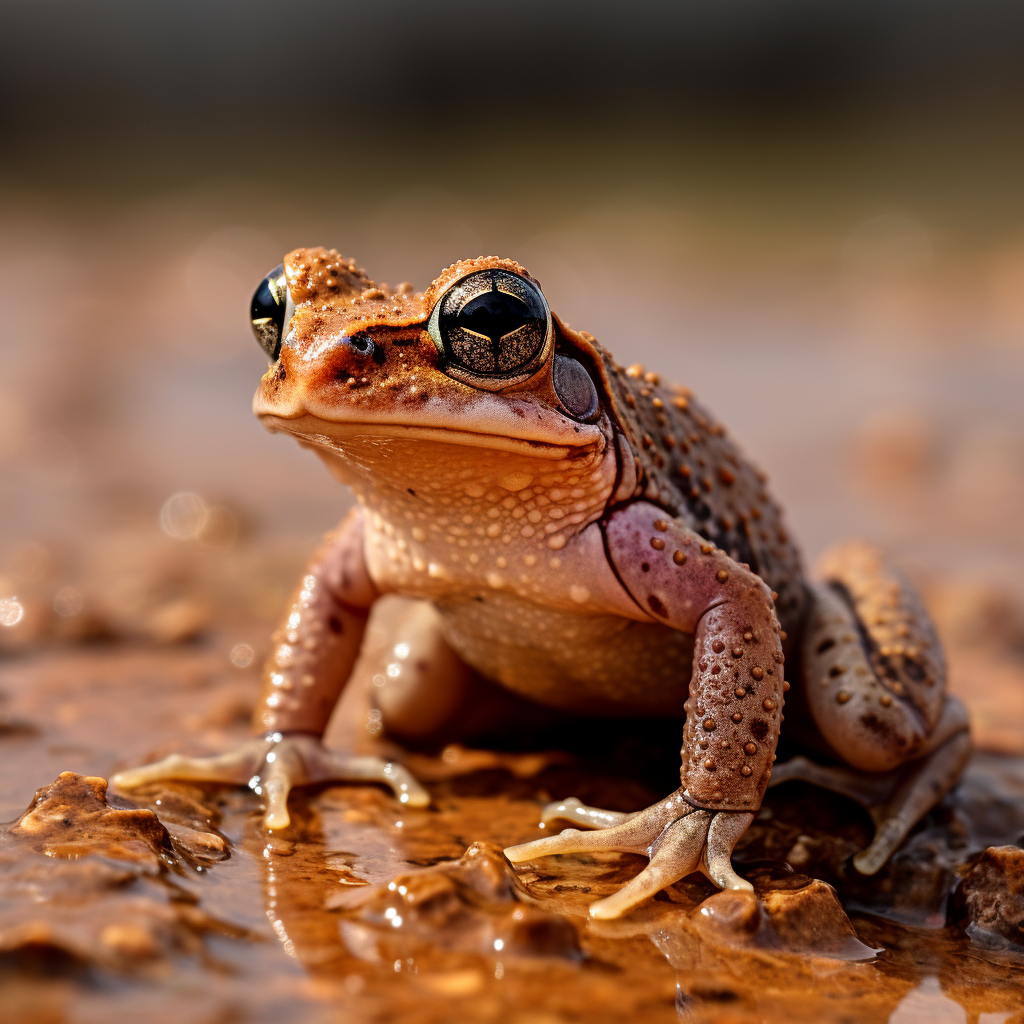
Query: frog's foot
{"x": 272, "y": 765}
{"x": 896, "y": 800}
{"x": 677, "y": 837}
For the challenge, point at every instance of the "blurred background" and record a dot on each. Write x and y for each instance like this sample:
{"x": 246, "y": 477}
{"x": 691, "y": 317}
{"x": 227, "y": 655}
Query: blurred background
{"x": 811, "y": 214}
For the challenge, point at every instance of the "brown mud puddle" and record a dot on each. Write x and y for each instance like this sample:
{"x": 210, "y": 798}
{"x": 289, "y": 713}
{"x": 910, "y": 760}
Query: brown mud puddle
{"x": 175, "y": 905}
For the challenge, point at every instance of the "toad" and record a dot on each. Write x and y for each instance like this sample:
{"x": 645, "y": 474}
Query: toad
{"x": 586, "y": 538}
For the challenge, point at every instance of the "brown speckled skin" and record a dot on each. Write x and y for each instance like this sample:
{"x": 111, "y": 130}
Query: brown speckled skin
{"x": 734, "y": 708}
{"x": 631, "y": 565}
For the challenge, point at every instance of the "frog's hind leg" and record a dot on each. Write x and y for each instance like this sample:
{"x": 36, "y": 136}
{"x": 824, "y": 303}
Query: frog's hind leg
{"x": 874, "y": 682}
{"x": 896, "y": 800}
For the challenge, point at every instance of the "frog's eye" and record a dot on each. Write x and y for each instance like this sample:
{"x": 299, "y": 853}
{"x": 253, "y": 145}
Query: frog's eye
{"x": 272, "y": 309}
{"x": 494, "y": 326}
{"x": 574, "y": 387}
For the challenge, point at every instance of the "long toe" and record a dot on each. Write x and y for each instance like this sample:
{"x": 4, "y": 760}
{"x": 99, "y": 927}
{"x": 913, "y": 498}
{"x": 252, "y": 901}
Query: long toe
{"x": 580, "y": 814}
{"x": 236, "y": 767}
{"x": 279, "y": 777}
{"x": 677, "y": 855}
{"x": 627, "y": 837}
{"x": 723, "y": 834}
{"x": 631, "y": 833}
{"x": 925, "y": 786}
{"x": 336, "y": 767}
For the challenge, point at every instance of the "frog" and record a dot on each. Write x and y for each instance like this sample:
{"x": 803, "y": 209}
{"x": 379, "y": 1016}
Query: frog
{"x": 588, "y": 540}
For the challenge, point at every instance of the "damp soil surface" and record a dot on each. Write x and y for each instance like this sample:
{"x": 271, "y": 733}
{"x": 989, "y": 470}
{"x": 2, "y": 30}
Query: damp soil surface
{"x": 172, "y": 903}
{"x": 150, "y": 533}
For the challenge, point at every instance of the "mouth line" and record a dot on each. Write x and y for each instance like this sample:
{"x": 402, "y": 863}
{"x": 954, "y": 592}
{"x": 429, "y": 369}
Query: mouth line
{"x": 332, "y": 430}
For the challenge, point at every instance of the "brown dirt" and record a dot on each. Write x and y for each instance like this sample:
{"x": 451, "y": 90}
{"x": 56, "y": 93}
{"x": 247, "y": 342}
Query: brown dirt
{"x": 884, "y": 407}
{"x": 176, "y": 901}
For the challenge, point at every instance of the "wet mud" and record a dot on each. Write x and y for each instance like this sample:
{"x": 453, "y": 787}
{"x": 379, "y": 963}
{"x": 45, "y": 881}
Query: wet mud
{"x": 134, "y": 614}
{"x": 172, "y": 903}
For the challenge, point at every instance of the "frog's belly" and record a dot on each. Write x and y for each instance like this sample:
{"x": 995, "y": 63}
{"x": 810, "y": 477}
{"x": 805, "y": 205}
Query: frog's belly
{"x": 593, "y": 664}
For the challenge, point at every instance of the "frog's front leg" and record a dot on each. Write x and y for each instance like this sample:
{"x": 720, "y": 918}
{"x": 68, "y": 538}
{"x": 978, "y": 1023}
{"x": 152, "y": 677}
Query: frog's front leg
{"x": 733, "y": 711}
{"x": 314, "y": 652}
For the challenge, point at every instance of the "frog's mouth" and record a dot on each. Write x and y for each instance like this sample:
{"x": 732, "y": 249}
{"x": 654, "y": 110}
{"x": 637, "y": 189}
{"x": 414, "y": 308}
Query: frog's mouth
{"x": 333, "y": 435}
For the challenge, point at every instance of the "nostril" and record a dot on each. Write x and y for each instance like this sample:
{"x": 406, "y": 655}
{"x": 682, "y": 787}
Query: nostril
{"x": 362, "y": 343}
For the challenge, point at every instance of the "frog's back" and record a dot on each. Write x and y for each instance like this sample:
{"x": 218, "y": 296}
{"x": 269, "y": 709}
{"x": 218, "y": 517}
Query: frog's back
{"x": 688, "y": 465}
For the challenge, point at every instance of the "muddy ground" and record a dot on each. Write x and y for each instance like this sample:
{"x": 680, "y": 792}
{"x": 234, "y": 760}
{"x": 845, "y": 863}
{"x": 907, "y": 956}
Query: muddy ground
{"x": 151, "y": 533}
{"x": 173, "y": 903}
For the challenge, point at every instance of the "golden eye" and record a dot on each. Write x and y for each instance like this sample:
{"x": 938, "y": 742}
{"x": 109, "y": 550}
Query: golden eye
{"x": 492, "y": 323}
{"x": 271, "y": 311}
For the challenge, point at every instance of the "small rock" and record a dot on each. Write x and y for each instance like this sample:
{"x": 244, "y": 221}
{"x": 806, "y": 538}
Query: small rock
{"x": 731, "y": 916}
{"x": 806, "y": 917}
{"x": 811, "y": 918}
{"x": 203, "y": 846}
{"x": 989, "y": 902}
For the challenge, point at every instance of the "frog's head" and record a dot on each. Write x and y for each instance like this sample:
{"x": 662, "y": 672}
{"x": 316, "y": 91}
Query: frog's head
{"x": 361, "y": 371}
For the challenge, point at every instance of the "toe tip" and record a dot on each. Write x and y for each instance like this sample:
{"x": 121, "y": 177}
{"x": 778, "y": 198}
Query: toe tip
{"x": 415, "y": 799}
{"x": 602, "y": 911}
{"x": 276, "y": 821}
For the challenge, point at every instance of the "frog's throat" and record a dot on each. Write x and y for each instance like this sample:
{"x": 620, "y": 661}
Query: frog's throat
{"x": 332, "y": 436}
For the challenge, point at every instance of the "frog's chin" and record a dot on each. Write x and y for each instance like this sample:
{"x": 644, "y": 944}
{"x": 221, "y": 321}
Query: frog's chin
{"x": 332, "y": 436}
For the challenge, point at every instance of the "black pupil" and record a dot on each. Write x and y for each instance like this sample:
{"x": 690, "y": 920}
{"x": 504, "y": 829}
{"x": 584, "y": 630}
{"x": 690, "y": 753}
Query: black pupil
{"x": 495, "y": 314}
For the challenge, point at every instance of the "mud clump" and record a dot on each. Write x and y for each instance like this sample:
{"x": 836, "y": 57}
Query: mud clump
{"x": 810, "y": 918}
{"x": 71, "y": 818}
{"x": 800, "y": 915}
{"x": 93, "y": 884}
{"x": 471, "y": 905}
{"x": 989, "y": 902}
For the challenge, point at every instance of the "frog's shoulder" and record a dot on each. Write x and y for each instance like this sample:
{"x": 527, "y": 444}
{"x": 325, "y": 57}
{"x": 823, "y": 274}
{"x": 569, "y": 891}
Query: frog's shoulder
{"x": 689, "y": 466}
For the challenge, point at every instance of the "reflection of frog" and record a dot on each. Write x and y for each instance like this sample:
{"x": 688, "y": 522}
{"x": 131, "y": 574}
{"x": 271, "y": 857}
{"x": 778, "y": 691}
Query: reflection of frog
{"x": 587, "y": 539}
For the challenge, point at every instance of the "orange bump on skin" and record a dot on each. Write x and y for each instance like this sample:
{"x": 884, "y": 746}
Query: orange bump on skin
{"x": 721, "y": 575}
{"x": 657, "y": 543}
{"x": 679, "y": 557}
